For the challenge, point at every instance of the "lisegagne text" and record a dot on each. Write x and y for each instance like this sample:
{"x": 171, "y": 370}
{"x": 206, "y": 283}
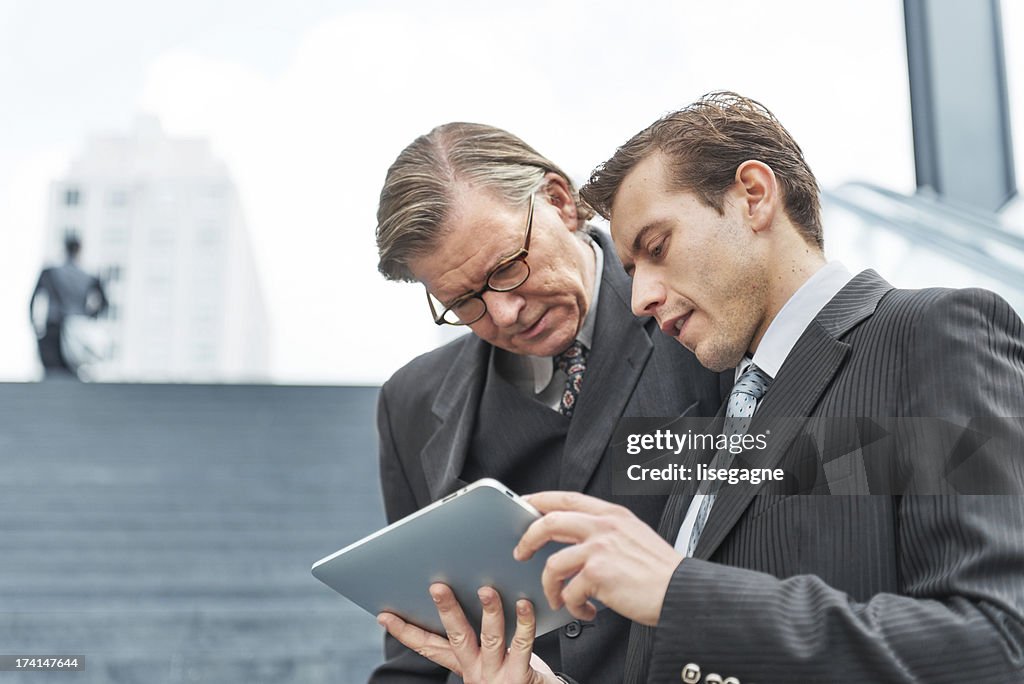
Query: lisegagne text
{"x": 705, "y": 473}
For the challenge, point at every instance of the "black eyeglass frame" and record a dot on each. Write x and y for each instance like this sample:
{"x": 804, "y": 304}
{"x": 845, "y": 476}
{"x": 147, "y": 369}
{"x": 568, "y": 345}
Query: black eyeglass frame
{"x": 488, "y": 287}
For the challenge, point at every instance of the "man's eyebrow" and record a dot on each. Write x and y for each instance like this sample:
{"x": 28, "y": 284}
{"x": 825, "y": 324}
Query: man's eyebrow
{"x": 638, "y": 242}
{"x": 641, "y": 235}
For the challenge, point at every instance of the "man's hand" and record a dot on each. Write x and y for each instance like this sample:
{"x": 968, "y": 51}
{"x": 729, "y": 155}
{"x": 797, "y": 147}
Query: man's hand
{"x": 616, "y": 558}
{"x": 485, "y": 660}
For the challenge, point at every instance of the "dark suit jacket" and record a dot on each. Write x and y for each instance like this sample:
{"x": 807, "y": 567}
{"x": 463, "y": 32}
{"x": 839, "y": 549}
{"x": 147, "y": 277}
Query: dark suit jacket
{"x": 798, "y": 588}
{"x": 69, "y": 290}
{"x": 428, "y": 409}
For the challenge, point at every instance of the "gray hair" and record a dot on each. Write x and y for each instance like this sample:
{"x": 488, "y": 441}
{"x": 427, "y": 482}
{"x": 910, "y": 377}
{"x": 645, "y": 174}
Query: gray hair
{"x": 417, "y": 194}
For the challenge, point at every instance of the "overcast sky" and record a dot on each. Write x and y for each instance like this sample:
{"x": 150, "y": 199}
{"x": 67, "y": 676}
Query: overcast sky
{"x": 308, "y": 103}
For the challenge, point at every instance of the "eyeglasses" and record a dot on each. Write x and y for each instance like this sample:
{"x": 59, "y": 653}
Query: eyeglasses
{"x": 510, "y": 273}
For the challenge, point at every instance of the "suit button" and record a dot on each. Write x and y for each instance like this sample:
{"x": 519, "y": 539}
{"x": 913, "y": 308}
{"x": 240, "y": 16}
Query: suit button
{"x": 730, "y": 680}
{"x": 690, "y": 673}
{"x": 712, "y": 678}
{"x": 573, "y": 629}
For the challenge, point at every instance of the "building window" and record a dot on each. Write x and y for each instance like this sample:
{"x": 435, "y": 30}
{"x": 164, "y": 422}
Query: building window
{"x": 112, "y": 274}
{"x": 208, "y": 234}
{"x": 72, "y": 198}
{"x": 161, "y": 234}
{"x": 118, "y": 198}
{"x": 116, "y": 235}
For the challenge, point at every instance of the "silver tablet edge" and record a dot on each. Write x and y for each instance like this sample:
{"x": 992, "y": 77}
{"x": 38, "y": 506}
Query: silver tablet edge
{"x": 484, "y": 482}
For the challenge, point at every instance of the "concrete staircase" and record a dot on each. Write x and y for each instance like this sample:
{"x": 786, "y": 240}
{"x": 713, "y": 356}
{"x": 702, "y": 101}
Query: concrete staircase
{"x": 166, "y": 532}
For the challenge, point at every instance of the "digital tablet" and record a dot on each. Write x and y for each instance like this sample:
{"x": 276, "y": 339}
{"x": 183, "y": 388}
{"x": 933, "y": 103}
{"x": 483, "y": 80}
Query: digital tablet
{"x": 464, "y": 540}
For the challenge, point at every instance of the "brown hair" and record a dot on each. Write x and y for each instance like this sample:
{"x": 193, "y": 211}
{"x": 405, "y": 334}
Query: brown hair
{"x": 416, "y": 198}
{"x": 704, "y": 144}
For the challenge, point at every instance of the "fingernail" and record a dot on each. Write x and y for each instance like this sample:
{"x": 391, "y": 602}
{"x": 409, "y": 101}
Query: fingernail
{"x": 522, "y": 607}
{"x": 484, "y": 596}
{"x": 435, "y": 597}
{"x": 517, "y": 554}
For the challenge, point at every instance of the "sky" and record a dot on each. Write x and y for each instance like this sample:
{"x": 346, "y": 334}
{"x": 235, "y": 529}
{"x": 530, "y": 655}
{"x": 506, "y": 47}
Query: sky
{"x": 309, "y": 103}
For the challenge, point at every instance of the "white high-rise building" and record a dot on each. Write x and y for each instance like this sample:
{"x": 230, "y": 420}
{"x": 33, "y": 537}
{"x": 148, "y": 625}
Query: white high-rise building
{"x": 161, "y": 223}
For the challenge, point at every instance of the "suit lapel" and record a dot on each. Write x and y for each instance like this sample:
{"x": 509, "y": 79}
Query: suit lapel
{"x": 622, "y": 347}
{"x": 807, "y": 372}
{"x": 444, "y": 453}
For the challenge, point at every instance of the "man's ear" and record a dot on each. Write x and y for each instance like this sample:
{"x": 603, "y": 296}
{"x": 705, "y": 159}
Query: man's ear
{"x": 557, "y": 193}
{"x": 758, "y": 192}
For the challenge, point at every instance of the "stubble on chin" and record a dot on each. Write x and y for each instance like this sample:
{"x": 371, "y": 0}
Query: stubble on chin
{"x": 717, "y": 359}
{"x": 724, "y": 350}
{"x": 738, "y": 323}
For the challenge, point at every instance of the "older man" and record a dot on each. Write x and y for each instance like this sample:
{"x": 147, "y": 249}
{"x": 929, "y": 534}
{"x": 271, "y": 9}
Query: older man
{"x": 495, "y": 234}
{"x": 715, "y": 216}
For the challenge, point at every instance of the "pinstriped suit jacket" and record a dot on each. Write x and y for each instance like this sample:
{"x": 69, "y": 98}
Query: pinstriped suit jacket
{"x": 864, "y": 588}
{"x": 426, "y": 416}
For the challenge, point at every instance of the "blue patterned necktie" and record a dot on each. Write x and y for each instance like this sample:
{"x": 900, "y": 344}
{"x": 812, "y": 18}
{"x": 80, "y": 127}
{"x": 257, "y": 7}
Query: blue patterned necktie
{"x": 747, "y": 391}
{"x": 572, "y": 362}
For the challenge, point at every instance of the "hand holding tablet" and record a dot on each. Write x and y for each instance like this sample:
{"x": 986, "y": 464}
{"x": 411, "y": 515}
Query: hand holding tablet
{"x": 477, "y": 660}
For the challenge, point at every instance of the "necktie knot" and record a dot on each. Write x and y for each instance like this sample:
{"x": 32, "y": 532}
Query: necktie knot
{"x": 572, "y": 362}
{"x": 747, "y": 391}
{"x": 573, "y": 357}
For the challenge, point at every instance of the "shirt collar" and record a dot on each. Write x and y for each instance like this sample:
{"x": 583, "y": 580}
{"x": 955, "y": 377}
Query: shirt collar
{"x": 794, "y": 317}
